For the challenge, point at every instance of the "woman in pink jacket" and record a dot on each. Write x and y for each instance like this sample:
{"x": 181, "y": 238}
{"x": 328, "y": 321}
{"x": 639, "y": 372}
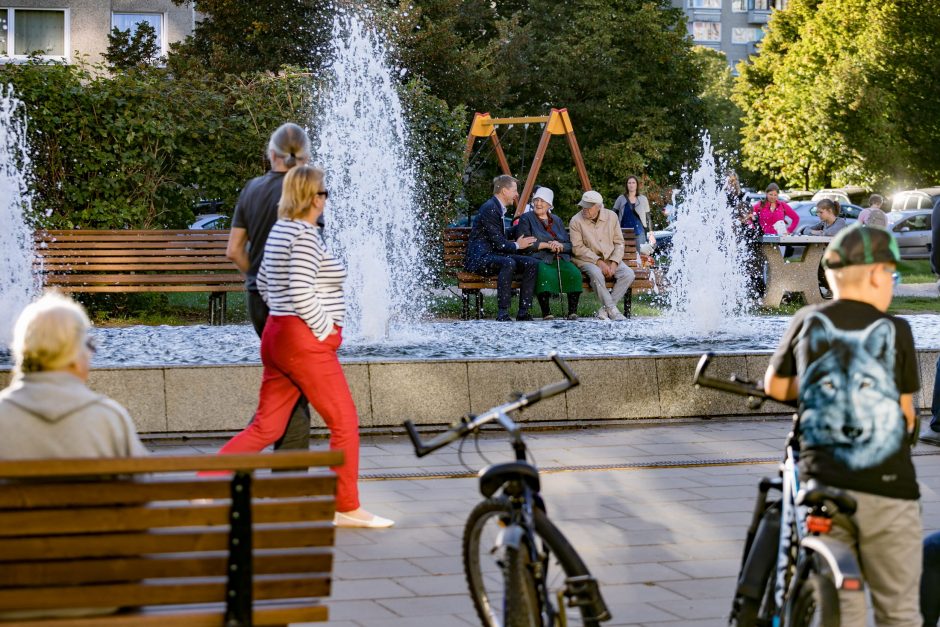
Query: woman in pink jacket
{"x": 770, "y": 211}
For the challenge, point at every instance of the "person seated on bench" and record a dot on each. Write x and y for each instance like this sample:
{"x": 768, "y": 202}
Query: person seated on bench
{"x": 48, "y": 411}
{"x": 552, "y": 247}
{"x": 830, "y": 222}
{"x": 597, "y": 247}
{"x": 490, "y": 252}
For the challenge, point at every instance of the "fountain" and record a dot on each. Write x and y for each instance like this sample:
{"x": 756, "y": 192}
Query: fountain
{"x": 372, "y": 222}
{"x": 18, "y": 283}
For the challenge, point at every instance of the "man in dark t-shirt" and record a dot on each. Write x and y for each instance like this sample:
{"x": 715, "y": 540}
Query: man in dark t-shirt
{"x": 255, "y": 214}
{"x": 853, "y": 370}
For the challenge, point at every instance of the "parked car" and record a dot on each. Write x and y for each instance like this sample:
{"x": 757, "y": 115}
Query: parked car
{"x": 807, "y": 212}
{"x": 832, "y": 194}
{"x": 909, "y": 200}
{"x": 664, "y": 239}
{"x": 912, "y": 230}
{"x": 211, "y": 221}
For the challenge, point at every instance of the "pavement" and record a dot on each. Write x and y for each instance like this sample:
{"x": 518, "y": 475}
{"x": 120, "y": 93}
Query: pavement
{"x": 918, "y": 290}
{"x": 658, "y": 512}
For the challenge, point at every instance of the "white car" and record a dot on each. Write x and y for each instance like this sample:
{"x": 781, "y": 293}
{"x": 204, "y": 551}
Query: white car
{"x": 211, "y": 221}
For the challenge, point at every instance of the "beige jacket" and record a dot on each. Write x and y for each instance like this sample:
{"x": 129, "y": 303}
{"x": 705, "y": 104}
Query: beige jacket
{"x": 593, "y": 240}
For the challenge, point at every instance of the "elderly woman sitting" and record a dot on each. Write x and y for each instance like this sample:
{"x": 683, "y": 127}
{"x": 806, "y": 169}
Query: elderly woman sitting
{"x": 556, "y": 273}
{"x": 48, "y": 411}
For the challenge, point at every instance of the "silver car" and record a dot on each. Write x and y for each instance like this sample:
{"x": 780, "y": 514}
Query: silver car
{"x": 912, "y": 230}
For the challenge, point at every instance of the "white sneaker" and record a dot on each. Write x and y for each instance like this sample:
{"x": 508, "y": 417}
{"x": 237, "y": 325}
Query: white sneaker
{"x": 602, "y": 314}
{"x": 374, "y": 522}
{"x": 615, "y": 314}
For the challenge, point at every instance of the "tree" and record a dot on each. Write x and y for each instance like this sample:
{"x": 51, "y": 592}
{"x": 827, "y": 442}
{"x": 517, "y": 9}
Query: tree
{"x": 246, "y": 37}
{"x": 127, "y": 50}
{"x": 722, "y": 115}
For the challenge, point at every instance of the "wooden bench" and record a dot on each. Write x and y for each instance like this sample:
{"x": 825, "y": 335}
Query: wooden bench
{"x": 455, "y": 250}
{"x": 167, "y": 547}
{"x": 140, "y": 261}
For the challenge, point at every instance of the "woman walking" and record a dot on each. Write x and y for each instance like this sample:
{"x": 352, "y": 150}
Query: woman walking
{"x": 633, "y": 210}
{"x": 302, "y": 284}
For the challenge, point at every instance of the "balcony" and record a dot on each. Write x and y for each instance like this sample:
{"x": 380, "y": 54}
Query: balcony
{"x": 758, "y": 16}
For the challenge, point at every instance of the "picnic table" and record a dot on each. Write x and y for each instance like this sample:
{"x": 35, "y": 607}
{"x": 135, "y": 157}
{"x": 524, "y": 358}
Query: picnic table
{"x": 793, "y": 267}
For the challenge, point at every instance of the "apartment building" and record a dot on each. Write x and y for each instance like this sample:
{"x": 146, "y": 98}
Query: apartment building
{"x": 732, "y": 26}
{"x": 59, "y": 29}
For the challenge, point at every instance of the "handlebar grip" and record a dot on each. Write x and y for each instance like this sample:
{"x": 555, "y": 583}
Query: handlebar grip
{"x": 420, "y": 449}
{"x": 565, "y": 368}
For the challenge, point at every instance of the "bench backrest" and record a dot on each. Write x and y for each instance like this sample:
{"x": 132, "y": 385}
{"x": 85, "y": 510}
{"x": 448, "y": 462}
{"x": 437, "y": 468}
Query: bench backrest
{"x": 79, "y": 260}
{"x": 455, "y": 240}
{"x": 106, "y": 533}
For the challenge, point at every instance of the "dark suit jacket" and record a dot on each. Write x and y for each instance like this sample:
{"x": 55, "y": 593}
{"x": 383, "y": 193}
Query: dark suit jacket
{"x": 935, "y": 246}
{"x": 487, "y": 236}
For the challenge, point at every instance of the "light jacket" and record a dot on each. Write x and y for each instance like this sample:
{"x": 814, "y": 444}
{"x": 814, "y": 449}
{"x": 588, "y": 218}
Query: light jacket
{"x": 55, "y": 415}
{"x": 592, "y": 240}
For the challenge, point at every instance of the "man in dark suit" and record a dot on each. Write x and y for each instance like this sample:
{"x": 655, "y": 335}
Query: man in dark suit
{"x": 490, "y": 252}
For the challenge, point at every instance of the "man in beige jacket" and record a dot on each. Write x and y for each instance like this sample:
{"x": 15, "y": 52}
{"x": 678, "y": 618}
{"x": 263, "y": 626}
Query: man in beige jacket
{"x": 597, "y": 249}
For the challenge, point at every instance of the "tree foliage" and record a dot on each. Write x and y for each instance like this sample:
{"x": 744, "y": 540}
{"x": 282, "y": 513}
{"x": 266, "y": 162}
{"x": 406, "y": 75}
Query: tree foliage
{"x": 840, "y": 93}
{"x": 127, "y": 50}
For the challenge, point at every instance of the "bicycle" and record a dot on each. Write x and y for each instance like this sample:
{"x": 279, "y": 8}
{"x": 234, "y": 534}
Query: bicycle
{"x": 791, "y": 571}
{"x": 521, "y": 571}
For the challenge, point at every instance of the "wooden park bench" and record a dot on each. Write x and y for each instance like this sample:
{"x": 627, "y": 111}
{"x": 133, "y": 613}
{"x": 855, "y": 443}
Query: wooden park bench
{"x": 140, "y": 261}
{"x": 145, "y": 542}
{"x": 469, "y": 284}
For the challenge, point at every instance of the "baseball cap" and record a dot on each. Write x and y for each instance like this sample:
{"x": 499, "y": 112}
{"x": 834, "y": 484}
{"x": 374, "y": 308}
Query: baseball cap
{"x": 860, "y": 245}
{"x": 590, "y": 198}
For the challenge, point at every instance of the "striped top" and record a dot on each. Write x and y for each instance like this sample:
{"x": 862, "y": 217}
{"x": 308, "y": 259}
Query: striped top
{"x": 300, "y": 277}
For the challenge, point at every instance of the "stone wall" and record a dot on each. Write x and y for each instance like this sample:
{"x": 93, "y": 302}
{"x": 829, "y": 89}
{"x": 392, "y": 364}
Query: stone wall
{"x": 222, "y": 398}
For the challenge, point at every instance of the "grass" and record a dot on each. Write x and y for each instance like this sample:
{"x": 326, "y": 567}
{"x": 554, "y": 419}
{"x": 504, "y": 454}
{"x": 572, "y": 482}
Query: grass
{"x": 916, "y": 271}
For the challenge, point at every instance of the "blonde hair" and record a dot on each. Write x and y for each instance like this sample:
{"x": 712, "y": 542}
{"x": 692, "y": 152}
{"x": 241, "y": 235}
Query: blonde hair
{"x": 50, "y": 334}
{"x": 301, "y": 185}
{"x": 290, "y": 143}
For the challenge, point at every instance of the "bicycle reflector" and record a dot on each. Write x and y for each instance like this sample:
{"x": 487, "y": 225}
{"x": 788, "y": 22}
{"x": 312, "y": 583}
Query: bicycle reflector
{"x": 850, "y": 583}
{"x": 818, "y": 524}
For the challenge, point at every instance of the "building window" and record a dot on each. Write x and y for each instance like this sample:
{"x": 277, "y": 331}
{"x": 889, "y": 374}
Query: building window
{"x": 34, "y": 31}
{"x": 129, "y": 21}
{"x": 744, "y": 35}
{"x": 705, "y": 4}
{"x": 706, "y": 31}
{"x": 739, "y": 6}
{"x": 767, "y": 5}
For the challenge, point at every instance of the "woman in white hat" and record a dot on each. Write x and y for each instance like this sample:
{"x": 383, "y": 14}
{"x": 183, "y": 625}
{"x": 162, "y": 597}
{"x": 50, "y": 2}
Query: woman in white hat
{"x": 556, "y": 273}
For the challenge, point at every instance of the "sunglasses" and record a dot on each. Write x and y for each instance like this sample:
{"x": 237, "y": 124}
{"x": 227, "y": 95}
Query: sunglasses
{"x": 325, "y": 193}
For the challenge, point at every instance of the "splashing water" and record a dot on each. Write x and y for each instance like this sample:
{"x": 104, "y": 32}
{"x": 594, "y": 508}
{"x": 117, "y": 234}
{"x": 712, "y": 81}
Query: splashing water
{"x": 18, "y": 283}
{"x": 373, "y": 222}
{"x": 707, "y": 271}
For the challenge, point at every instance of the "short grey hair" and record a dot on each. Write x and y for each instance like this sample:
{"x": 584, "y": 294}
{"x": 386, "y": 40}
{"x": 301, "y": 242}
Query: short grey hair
{"x": 502, "y": 182}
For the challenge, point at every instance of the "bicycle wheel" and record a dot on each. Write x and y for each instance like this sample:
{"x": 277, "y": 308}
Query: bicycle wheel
{"x": 522, "y": 597}
{"x": 816, "y": 603}
{"x": 485, "y": 566}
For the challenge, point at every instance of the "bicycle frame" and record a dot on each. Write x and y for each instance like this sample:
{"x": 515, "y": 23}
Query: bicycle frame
{"x": 799, "y": 548}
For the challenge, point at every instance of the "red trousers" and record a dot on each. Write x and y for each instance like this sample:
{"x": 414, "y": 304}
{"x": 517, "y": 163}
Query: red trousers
{"x": 296, "y": 361}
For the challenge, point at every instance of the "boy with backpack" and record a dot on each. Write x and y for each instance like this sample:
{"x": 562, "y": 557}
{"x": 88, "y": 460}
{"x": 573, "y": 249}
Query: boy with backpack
{"x": 853, "y": 369}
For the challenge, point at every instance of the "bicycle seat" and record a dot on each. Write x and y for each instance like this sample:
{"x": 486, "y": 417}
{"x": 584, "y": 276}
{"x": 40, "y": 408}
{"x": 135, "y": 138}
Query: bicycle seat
{"x": 814, "y": 494}
{"x": 492, "y": 478}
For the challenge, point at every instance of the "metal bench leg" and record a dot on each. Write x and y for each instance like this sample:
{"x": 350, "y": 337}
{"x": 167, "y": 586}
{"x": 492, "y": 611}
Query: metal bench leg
{"x": 238, "y": 601}
{"x": 217, "y": 303}
{"x": 628, "y": 303}
{"x": 464, "y": 305}
{"x": 479, "y": 304}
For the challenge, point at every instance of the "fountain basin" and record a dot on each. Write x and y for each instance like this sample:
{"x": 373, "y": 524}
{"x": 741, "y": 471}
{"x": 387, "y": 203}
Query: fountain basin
{"x": 220, "y": 398}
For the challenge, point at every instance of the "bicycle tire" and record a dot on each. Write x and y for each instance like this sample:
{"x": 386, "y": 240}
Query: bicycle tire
{"x": 816, "y": 603}
{"x": 522, "y": 597}
{"x": 486, "y": 581}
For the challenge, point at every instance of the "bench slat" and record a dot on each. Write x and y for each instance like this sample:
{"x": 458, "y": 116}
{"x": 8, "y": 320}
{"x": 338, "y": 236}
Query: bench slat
{"x": 32, "y": 574}
{"x": 162, "y": 592}
{"x": 83, "y": 467}
{"x": 137, "y": 254}
{"x": 112, "y": 519}
{"x": 160, "y": 617}
{"x": 142, "y": 279}
{"x": 309, "y": 534}
{"x": 119, "y": 265}
{"x": 119, "y": 245}
{"x": 118, "y": 289}
{"x": 69, "y": 232}
{"x": 20, "y": 495}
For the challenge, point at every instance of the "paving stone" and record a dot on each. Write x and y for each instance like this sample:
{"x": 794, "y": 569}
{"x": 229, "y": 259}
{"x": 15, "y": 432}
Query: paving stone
{"x": 435, "y": 585}
{"x": 420, "y": 607}
{"x": 697, "y": 609}
{"x": 362, "y": 589}
{"x": 398, "y": 569}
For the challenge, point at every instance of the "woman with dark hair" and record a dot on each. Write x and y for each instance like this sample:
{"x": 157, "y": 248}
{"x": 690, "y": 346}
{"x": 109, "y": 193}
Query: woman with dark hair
{"x": 556, "y": 273}
{"x": 771, "y": 214}
{"x": 633, "y": 211}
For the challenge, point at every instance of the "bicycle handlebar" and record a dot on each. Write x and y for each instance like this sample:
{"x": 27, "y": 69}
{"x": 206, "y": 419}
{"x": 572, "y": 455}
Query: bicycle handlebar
{"x": 742, "y": 387}
{"x": 467, "y": 424}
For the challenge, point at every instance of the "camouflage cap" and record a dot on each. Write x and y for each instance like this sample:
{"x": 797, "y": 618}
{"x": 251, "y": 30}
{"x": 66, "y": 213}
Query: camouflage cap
{"x": 859, "y": 245}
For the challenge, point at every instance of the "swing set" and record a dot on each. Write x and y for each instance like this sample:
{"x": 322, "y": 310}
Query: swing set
{"x": 557, "y": 122}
